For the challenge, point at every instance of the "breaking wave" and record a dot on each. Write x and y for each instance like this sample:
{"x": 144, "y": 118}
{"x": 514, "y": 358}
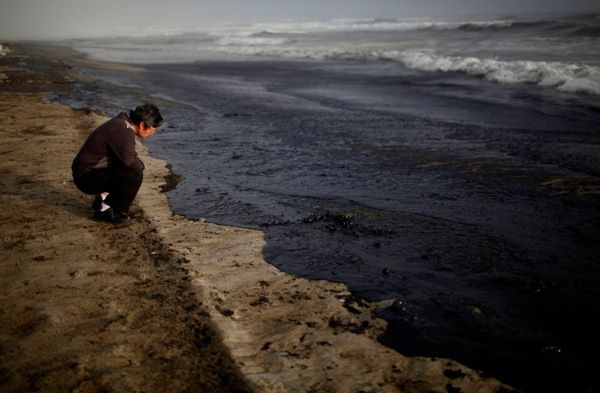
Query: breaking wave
{"x": 3, "y": 50}
{"x": 583, "y": 26}
{"x": 379, "y": 24}
{"x": 564, "y": 77}
{"x": 253, "y": 40}
{"x": 561, "y": 53}
{"x": 570, "y": 78}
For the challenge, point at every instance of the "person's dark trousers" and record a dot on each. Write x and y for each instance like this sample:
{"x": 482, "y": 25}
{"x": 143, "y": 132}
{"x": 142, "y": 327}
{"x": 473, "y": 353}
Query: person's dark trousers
{"x": 122, "y": 184}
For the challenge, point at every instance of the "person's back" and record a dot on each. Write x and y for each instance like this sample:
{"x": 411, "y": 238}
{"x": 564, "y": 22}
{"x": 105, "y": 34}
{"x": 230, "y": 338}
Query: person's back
{"x": 110, "y": 144}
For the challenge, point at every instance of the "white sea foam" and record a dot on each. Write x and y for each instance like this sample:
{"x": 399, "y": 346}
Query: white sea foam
{"x": 545, "y": 53}
{"x": 393, "y": 24}
{"x": 565, "y": 77}
{"x": 3, "y": 50}
{"x": 569, "y": 77}
{"x": 251, "y": 41}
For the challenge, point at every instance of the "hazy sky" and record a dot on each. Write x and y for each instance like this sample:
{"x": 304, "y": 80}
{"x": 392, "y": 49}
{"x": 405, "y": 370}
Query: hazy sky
{"x": 70, "y": 18}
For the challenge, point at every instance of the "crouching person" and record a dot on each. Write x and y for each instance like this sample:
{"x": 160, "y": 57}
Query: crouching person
{"x": 108, "y": 166}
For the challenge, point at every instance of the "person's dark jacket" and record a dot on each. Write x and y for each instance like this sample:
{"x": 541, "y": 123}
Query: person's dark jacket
{"x": 111, "y": 144}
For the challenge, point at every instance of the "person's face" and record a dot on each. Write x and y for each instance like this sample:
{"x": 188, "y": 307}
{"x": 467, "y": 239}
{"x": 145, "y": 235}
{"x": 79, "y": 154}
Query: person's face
{"x": 144, "y": 132}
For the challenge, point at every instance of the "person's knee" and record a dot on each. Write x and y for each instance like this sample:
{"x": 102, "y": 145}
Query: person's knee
{"x": 90, "y": 183}
{"x": 133, "y": 175}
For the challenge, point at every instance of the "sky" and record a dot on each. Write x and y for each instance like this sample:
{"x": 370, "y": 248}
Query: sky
{"x": 50, "y": 19}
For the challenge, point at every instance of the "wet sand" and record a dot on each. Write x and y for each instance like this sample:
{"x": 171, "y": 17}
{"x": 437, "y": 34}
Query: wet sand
{"x": 162, "y": 303}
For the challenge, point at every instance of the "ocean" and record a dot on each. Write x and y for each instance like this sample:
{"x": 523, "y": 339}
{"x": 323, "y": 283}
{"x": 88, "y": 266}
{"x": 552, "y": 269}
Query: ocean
{"x": 451, "y": 165}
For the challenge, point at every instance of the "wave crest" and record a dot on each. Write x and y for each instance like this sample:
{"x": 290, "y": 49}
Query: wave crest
{"x": 252, "y": 41}
{"x": 565, "y": 77}
{"x": 3, "y": 50}
{"x": 589, "y": 27}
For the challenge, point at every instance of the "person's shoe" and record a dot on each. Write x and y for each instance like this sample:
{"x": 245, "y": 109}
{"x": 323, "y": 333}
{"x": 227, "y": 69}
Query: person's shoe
{"x": 121, "y": 217}
{"x": 111, "y": 216}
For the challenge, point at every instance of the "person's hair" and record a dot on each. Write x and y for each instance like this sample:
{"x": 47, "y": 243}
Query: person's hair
{"x": 147, "y": 113}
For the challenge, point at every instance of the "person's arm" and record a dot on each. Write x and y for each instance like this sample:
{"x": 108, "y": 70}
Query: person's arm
{"x": 122, "y": 144}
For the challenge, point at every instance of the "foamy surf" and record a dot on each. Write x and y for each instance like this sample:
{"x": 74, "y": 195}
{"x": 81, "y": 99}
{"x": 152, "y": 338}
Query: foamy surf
{"x": 3, "y": 50}
{"x": 560, "y": 53}
{"x": 564, "y": 77}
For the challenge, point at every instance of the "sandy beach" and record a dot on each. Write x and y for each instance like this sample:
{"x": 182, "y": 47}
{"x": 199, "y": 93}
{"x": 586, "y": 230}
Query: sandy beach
{"x": 162, "y": 304}
{"x": 87, "y": 307}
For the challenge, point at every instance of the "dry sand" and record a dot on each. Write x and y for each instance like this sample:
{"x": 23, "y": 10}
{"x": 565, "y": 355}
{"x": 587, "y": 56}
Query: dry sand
{"x": 164, "y": 304}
